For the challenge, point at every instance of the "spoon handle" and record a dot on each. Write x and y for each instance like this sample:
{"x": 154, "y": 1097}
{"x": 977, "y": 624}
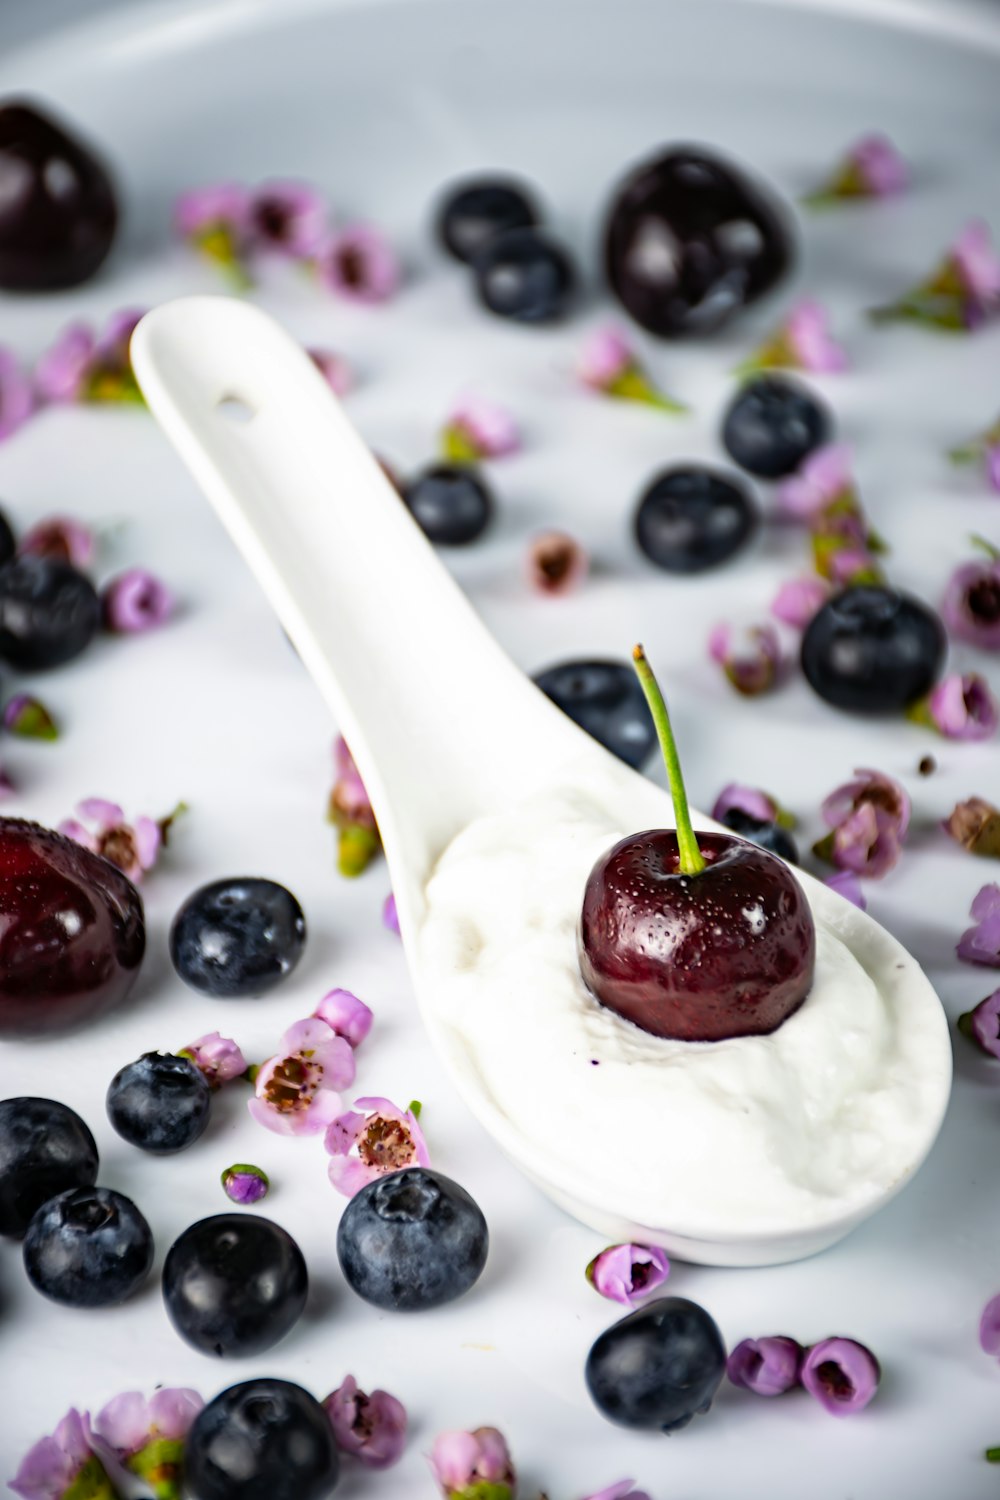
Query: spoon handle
{"x": 440, "y": 721}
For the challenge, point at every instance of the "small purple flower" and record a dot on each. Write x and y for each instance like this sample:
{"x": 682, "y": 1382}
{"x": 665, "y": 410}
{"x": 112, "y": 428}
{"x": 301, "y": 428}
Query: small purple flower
{"x": 297, "y": 1090}
{"x": 370, "y": 1428}
{"x": 981, "y": 1025}
{"x": 351, "y": 814}
{"x": 872, "y": 168}
{"x": 244, "y": 1183}
{"x": 133, "y": 847}
{"x": 975, "y": 824}
{"x": 477, "y": 429}
{"x": 147, "y": 1437}
{"x": 822, "y": 480}
{"x": 217, "y": 221}
{"x": 626, "y": 1272}
{"x": 961, "y": 707}
{"x": 465, "y": 1463}
{"x": 390, "y": 917}
{"x": 623, "y": 1490}
{"x": 882, "y": 792}
{"x": 287, "y": 217}
{"x": 556, "y": 563}
{"x": 842, "y": 1375}
{"x": 63, "y": 1462}
{"x": 135, "y": 601}
{"x": 980, "y": 944}
{"x": 62, "y": 372}
{"x": 60, "y": 538}
{"x": 977, "y": 262}
{"x": 609, "y": 364}
{"x": 385, "y": 1138}
{"x": 335, "y": 370}
{"x": 847, "y": 884}
{"x": 798, "y": 600}
{"x": 803, "y": 342}
{"x": 359, "y": 264}
{"x": 219, "y": 1058}
{"x": 751, "y": 658}
{"x": 769, "y": 1366}
{"x": 346, "y": 1015}
{"x": 746, "y": 799}
{"x": 989, "y": 1327}
{"x": 961, "y": 294}
{"x": 84, "y": 366}
{"x": 17, "y": 398}
{"x": 971, "y": 605}
{"x": 28, "y": 717}
{"x": 869, "y": 818}
{"x": 847, "y": 565}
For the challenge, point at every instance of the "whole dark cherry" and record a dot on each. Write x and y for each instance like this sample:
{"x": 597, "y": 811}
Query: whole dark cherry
{"x": 695, "y": 937}
{"x": 690, "y": 240}
{"x": 72, "y": 934}
{"x": 58, "y": 211}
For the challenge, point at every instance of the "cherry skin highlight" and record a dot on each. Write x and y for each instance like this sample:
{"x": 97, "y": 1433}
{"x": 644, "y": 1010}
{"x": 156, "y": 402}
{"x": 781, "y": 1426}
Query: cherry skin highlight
{"x": 72, "y": 934}
{"x": 727, "y": 952}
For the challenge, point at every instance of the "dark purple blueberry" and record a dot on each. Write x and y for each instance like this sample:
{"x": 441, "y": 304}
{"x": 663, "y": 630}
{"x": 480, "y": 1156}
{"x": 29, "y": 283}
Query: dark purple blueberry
{"x": 58, "y": 212}
{"x": 525, "y": 275}
{"x": 477, "y": 210}
{"x": 659, "y": 1367}
{"x": 764, "y": 833}
{"x": 873, "y": 650}
{"x": 690, "y": 240}
{"x": 237, "y": 937}
{"x": 159, "y": 1103}
{"x": 49, "y": 613}
{"x": 773, "y": 424}
{"x": 261, "y": 1440}
{"x": 8, "y": 542}
{"x": 691, "y": 518}
{"x": 88, "y": 1247}
{"x": 45, "y": 1149}
{"x": 606, "y": 699}
{"x": 451, "y": 503}
{"x": 234, "y": 1284}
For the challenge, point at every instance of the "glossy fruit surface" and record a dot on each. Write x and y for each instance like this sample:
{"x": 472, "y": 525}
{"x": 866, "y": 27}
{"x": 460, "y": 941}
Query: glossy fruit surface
{"x": 159, "y": 1103}
{"x": 237, "y": 937}
{"x": 477, "y": 210}
{"x": 773, "y": 424}
{"x": 451, "y": 503}
{"x": 658, "y": 1367}
{"x": 412, "y": 1240}
{"x": 873, "y": 650}
{"x": 727, "y": 952}
{"x": 49, "y": 613}
{"x": 45, "y": 1149}
{"x": 58, "y": 212}
{"x": 605, "y": 699}
{"x": 764, "y": 833}
{"x": 72, "y": 934}
{"x": 88, "y": 1247}
{"x": 234, "y": 1284}
{"x": 690, "y": 240}
{"x": 691, "y": 518}
{"x": 261, "y": 1440}
{"x": 525, "y": 275}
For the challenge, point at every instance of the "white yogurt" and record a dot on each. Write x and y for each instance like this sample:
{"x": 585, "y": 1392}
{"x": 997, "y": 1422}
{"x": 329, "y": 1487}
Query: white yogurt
{"x": 753, "y": 1134}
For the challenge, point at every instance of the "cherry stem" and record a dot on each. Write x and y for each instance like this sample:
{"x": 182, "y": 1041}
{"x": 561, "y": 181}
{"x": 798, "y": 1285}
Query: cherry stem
{"x": 690, "y": 861}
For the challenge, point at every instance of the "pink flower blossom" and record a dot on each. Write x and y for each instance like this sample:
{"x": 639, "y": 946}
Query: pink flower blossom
{"x": 147, "y": 1437}
{"x": 767, "y": 1366}
{"x": 27, "y": 717}
{"x": 798, "y": 600}
{"x": 626, "y": 1272}
{"x": 869, "y": 818}
{"x": 810, "y": 340}
{"x": 881, "y": 170}
{"x": 961, "y": 294}
{"x": 346, "y": 1015}
{"x": 971, "y": 604}
{"x": 223, "y": 205}
{"x": 297, "y": 1090}
{"x": 359, "y": 264}
{"x": 824, "y": 478}
{"x": 60, "y": 538}
{"x": 54, "y": 1465}
{"x": 962, "y": 707}
{"x": 288, "y": 217}
{"x": 133, "y": 847}
{"x": 335, "y": 370}
{"x": 86, "y": 366}
{"x": 477, "y": 429}
{"x": 135, "y": 601}
{"x": 991, "y": 459}
{"x": 989, "y": 1327}
{"x": 751, "y": 658}
{"x": 847, "y": 884}
{"x": 556, "y": 563}
{"x": 352, "y": 814}
{"x": 219, "y": 1058}
{"x": 464, "y": 1463}
{"x": 982, "y": 1026}
{"x": 62, "y": 372}
{"x": 977, "y": 262}
{"x": 390, "y": 917}
{"x": 623, "y": 1490}
{"x": 370, "y": 1428}
{"x": 841, "y": 1374}
{"x": 746, "y": 799}
{"x": 980, "y": 944}
{"x": 244, "y": 1183}
{"x": 605, "y": 356}
{"x": 17, "y": 399}
{"x": 385, "y": 1138}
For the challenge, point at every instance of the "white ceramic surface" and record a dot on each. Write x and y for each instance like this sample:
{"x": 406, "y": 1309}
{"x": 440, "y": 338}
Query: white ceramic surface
{"x": 379, "y": 104}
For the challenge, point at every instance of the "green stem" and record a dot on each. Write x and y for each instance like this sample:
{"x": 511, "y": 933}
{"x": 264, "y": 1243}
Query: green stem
{"x": 691, "y": 861}
{"x": 992, "y": 1455}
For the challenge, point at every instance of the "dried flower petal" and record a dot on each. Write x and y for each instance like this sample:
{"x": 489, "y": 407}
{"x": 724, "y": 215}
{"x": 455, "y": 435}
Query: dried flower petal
{"x": 842, "y": 1375}
{"x": 556, "y": 563}
{"x": 17, "y": 398}
{"x": 625, "y": 1272}
{"x": 27, "y": 717}
{"x": 751, "y": 658}
{"x": 359, "y": 264}
{"x": 768, "y": 1366}
{"x": 980, "y": 944}
{"x": 975, "y": 824}
{"x": 384, "y": 1137}
{"x": 245, "y": 1183}
{"x": 370, "y": 1428}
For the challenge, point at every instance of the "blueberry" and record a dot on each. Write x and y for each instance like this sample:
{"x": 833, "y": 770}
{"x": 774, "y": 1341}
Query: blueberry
{"x": 261, "y": 1440}
{"x": 524, "y": 275}
{"x": 45, "y": 1148}
{"x": 765, "y": 834}
{"x": 8, "y": 544}
{"x": 234, "y": 1284}
{"x": 237, "y": 937}
{"x": 88, "y": 1247}
{"x": 772, "y": 424}
{"x": 606, "y": 699}
{"x": 477, "y": 211}
{"x": 691, "y": 518}
{"x": 451, "y": 503}
{"x": 159, "y": 1103}
{"x": 49, "y": 612}
{"x": 412, "y": 1240}
{"x": 659, "y": 1367}
{"x": 873, "y": 650}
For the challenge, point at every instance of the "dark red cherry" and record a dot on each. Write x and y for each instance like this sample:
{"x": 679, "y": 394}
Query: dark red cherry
{"x": 72, "y": 934}
{"x": 58, "y": 212}
{"x": 690, "y": 239}
{"x": 727, "y": 952}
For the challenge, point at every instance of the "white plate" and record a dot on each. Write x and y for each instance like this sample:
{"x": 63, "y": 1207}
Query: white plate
{"x": 380, "y": 104}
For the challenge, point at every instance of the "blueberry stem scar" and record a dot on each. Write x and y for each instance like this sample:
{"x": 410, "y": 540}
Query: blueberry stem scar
{"x": 691, "y": 861}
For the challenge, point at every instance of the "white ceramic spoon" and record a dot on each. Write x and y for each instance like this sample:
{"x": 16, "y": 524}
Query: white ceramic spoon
{"x": 443, "y": 726}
